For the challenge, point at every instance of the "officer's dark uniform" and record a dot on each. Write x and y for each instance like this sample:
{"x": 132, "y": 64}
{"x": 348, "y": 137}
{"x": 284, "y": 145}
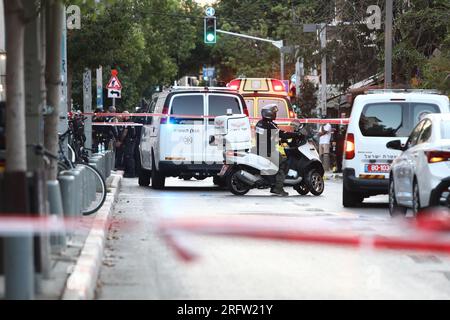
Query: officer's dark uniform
{"x": 125, "y": 152}
{"x": 268, "y": 136}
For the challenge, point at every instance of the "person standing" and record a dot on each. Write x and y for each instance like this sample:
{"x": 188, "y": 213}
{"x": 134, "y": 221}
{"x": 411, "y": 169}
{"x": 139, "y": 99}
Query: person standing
{"x": 324, "y": 145}
{"x": 340, "y": 141}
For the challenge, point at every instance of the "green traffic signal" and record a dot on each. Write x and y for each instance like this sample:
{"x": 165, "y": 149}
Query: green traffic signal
{"x": 210, "y": 30}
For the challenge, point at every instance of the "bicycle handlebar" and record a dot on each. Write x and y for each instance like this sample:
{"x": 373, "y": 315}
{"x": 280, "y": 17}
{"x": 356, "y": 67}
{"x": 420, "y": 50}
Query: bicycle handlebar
{"x": 41, "y": 151}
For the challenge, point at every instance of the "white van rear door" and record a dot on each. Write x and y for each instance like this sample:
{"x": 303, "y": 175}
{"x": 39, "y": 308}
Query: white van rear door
{"x": 383, "y": 122}
{"x": 379, "y": 123}
{"x": 182, "y": 136}
{"x": 218, "y": 104}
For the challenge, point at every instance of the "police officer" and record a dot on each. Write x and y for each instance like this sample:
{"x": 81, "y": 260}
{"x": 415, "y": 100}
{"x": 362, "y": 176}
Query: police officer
{"x": 127, "y": 143}
{"x": 268, "y": 136}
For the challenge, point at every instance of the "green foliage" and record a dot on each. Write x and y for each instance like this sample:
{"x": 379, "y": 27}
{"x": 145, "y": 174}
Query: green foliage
{"x": 154, "y": 42}
{"x": 307, "y": 101}
{"x": 145, "y": 40}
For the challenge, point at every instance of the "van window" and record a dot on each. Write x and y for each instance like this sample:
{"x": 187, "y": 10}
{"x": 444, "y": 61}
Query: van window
{"x": 281, "y": 104}
{"x": 393, "y": 119}
{"x": 420, "y": 110}
{"x": 191, "y": 105}
{"x": 382, "y": 120}
{"x": 218, "y": 105}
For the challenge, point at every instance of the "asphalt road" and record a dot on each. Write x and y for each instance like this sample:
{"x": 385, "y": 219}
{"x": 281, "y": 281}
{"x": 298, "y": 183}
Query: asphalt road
{"x": 139, "y": 264}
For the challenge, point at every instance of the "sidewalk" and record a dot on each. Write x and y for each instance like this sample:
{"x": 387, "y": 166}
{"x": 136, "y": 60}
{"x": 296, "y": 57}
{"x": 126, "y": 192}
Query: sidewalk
{"x": 74, "y": 270}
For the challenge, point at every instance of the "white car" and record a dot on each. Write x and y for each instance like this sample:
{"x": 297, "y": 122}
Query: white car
{"x": 377, "y": 118}
{"x": 420, "y": 176}
{"x": 179, "y": 140}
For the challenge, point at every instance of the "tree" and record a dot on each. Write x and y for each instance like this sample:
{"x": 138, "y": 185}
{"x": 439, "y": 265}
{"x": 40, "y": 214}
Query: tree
{"x": 54, "y": 23}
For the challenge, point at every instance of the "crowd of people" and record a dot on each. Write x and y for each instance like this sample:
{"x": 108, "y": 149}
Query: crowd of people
{"x": 121, "y": 135}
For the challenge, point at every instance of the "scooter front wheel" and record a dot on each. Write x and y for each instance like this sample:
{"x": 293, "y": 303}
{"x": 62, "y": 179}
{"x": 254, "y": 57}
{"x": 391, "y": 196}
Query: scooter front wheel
{"x": 236, "y": 186}
{"x": 314, "y": 182}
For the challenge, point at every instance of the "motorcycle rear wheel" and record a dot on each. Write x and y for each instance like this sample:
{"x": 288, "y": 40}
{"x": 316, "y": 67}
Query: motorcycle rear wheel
{"x": 236, "y": 186}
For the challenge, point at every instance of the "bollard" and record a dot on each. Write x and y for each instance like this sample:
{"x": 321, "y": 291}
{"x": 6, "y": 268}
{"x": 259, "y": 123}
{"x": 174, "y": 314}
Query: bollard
{"x": 67, "y": 184}
{"x": 84, "y": 187}
{"x": 57, "y": 241}
{"x": 77, "y": 193}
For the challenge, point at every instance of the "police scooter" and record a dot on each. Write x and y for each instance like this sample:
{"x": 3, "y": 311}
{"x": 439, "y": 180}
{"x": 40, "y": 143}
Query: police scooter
{"x": 244, "y": 170}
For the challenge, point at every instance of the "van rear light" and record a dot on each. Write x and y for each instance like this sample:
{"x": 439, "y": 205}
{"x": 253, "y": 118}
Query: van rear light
{"x": 291, "y": 114}
{"x": 234, "y": 84}
{"x": 165, "y": 111}
{"x": 277, "y": 85}
{"x": 246, "y": 111}
{"x": 349, "y": 146}
{"x": 437, "y": 156}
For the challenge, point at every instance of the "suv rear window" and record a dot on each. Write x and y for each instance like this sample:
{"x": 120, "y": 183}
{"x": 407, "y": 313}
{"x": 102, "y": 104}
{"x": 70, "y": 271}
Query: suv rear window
{"x": 191, "y": 105}
{"x": 392, "y": 119}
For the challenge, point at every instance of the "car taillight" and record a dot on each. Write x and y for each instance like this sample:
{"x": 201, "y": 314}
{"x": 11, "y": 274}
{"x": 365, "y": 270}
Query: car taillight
{"x": 437, "y": 156}
{"x": 277, "y": 85}
{"x": 234, "y": 84}
{"x": 349, "y": 147}
{"x": 291, "y": 114}
{"x": 246, "y": 112}
{"x": 165, "y": 111}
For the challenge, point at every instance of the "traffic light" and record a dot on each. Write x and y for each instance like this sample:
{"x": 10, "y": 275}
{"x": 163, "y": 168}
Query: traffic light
{"x": 210, "y": 30}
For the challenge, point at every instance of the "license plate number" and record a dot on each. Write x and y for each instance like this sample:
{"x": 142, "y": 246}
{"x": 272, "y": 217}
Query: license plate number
{"x": 379, "y": 168}
{"x": 223, "y": 170}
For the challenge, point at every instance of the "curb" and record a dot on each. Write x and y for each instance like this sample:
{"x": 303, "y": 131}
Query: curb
{"x": 82, "y": 282}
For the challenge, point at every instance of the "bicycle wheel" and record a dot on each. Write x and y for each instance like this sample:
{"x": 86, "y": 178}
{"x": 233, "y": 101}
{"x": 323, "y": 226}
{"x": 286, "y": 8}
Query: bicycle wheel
{"x": 96, "y": 189}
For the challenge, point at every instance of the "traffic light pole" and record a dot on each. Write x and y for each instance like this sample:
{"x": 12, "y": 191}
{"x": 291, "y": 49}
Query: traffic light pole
{"x": 276, "y": 43}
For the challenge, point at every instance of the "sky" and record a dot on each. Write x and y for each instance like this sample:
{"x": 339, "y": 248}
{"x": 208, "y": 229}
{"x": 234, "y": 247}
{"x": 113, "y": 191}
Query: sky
{"x": 204, "y": 2}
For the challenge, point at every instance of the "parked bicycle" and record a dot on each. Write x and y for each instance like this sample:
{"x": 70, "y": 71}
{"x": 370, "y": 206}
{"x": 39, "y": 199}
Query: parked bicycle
{"x": 77, "y": 158}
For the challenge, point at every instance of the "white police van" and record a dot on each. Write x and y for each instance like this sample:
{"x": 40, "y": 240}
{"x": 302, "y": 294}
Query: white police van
{"x": 178, "y": 141}
{"x": 377, "y": 117}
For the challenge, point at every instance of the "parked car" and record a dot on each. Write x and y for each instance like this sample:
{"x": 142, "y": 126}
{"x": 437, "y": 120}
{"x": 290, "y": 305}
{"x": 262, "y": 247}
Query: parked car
{"x": 179, "y": 140}
{"x": 420, "y": 176}
{"x": 377, "y": 118}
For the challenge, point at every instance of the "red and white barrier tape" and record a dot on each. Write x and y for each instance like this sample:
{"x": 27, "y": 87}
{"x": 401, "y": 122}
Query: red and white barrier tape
{"x": 424, "y": 239}
{"x": 340, "y": 121}
{"x": 13, "y": 225}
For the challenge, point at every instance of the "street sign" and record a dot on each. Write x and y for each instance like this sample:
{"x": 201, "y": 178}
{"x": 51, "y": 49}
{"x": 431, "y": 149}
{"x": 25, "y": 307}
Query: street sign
{"x": 210, "y": 12}
{"x": 309, "y": 28}
{"x": 208, "y": 72}
{"x": 294, "y": 78}
{"x": 115, "y": 94}
{"x": 114, "y": 83}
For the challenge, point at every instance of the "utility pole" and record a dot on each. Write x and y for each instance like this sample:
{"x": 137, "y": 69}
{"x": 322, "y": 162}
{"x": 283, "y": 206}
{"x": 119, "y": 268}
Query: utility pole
{"x": 388, "y": 46}
{"x": 323, "y": 91}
